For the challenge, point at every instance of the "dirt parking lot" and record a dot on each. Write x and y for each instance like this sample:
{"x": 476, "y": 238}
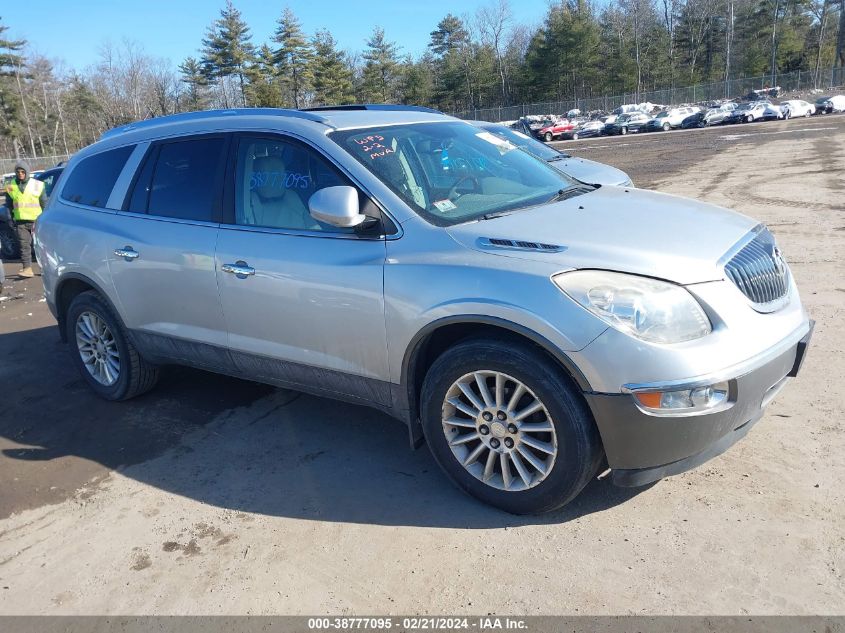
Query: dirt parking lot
{"x": 211, "y": 495}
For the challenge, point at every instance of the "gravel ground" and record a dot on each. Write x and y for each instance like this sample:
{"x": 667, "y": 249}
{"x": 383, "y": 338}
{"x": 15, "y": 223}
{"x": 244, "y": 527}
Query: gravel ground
{"x": 216, "y": 496}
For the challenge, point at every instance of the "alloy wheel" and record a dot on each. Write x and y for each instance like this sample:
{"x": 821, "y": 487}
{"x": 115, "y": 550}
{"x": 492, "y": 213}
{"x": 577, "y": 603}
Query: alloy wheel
{"x": 499, "y": 430}
{"x": 98, "y": 348}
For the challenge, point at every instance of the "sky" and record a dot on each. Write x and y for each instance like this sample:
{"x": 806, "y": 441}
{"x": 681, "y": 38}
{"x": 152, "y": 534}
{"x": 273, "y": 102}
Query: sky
{"x": 75, "y": 30}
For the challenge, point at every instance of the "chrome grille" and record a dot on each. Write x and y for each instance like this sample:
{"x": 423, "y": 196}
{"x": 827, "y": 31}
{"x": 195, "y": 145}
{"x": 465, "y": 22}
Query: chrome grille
{"x": 759, "y": 270}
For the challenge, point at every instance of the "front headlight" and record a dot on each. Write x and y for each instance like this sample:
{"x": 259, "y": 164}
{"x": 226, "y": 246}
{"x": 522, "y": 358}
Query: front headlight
{"x": 651, "y": 310}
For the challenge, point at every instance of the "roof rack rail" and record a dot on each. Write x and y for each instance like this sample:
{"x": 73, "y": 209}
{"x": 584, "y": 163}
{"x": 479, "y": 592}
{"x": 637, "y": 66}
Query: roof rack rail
{"x": 373, "y": 106}
{"x": 201, "y": 115}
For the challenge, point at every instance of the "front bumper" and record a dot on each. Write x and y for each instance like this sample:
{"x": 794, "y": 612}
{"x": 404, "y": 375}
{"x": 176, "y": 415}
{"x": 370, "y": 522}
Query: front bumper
{"x": 642, "y": 448}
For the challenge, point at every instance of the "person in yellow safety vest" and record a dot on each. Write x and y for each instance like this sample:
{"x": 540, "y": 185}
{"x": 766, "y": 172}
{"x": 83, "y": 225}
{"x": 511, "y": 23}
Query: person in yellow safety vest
{"x": 25, "y": 199}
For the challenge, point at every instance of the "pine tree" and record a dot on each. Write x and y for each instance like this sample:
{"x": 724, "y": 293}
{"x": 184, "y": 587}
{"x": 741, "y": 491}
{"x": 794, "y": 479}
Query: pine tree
{"x": 331, "y": 71}
{"x": 450, "y": 44}
{"x": 11, "y": 101}
{"x": 227, "y": 49}
{"x": 381, "y": 62}
{"x": 196, "y": 82}
{"x": 9, "y": 49}
{"x": 264, "y": 89}
{"x": 417, "y": 86}
{"x": 293, "y": 57}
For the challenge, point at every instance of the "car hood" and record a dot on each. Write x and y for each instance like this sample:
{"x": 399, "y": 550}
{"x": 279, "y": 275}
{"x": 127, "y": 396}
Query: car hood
{"x": 611, "y": 228}
{"x": 590, "y": 171}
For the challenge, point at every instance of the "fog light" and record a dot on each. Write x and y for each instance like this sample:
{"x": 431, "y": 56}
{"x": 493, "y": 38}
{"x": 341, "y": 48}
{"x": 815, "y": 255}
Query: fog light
{"x": 683, "y": 400}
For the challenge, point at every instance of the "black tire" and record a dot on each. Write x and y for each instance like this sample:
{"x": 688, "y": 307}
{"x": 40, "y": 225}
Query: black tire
{"x": 136, "y": 376}
{"x": 623, "y": 131}
{"x": 548, "y": 137}
{"x": 10, "y": 248}
{"x": 749, "y": 119}
{"x": 575, "y": 136}
{"x": 666, "y": 127}
{"x": 580, "y": 451}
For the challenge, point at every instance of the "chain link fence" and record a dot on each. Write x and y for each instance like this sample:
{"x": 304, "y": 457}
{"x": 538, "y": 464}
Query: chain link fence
{"x": 734, "y": 88}
{"x": 7, "y": 165}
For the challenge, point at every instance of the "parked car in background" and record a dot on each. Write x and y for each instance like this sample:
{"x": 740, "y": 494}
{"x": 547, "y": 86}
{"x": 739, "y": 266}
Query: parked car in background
{"x": 584, "y": 130}
{"x": 668, "y": 119}
{"x": 718, "y": 114}
{"x": 836, "y": 103}
{"x": 695, "y": 120}
{"x": 748, "y": 112}
{"x": 588, "y": 171}
{"x": 772, "y": 112}
{"x": 796, "y": 107}
{"x": 526, "y": 327}
{"x": 49, "y": 177}
{"x": 823, "y": 105}
{"x": 554, "y": 129}
{"x": 624, "y": 123}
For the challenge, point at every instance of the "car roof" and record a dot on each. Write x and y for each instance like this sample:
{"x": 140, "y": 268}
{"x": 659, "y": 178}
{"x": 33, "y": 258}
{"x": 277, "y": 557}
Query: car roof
{"x": 209, "y": 121}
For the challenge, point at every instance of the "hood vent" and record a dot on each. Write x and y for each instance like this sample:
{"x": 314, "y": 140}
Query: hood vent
{"x": 519, "y": 245}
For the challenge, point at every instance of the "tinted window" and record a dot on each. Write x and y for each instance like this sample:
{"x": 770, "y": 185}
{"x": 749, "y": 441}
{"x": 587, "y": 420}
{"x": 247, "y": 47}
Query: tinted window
{"x": 274, "y": 180}
{"x": 141, "y": 189}
{"x": 186, "y": 180}
{"x": 93, "y": 178}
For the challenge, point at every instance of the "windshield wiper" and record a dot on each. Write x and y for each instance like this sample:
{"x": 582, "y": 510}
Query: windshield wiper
{"x": 496, "y": 214}
{"x": 570, "y": 192}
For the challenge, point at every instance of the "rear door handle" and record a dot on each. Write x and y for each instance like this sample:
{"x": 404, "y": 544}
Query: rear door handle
{"x": 240, "y": 269}
{"x": 127, "y": 252}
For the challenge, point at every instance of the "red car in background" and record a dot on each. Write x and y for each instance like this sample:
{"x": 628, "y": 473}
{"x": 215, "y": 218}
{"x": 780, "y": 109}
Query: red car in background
{"x": 553, "y": 129}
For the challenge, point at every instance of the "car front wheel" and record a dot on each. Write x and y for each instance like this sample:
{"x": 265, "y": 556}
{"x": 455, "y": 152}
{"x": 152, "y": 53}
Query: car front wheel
{"x": 507, "y": 426}
{"x": 104, "y": 355}
{"x": 623, "y": 131}
{"x": 666, "y": 127}
{"x": 548, "y": 136}
{"x": 575, "y": 136}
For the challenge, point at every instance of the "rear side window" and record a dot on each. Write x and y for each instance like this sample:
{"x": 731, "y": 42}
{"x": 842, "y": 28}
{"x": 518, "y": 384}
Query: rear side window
{"x": 92, "y": 180}
{"x": 181, "y": 179}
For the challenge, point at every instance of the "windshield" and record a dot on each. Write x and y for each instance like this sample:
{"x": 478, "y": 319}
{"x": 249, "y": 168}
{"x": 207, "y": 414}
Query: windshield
{"x": 453, "y": 172}
{"x": 541, "y": 150}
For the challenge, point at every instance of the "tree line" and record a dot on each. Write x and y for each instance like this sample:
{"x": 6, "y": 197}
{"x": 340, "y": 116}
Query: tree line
{"x": 490, "y": 58}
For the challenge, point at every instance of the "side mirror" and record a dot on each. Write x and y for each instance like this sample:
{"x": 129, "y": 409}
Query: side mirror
{"x": 337, "y": 206}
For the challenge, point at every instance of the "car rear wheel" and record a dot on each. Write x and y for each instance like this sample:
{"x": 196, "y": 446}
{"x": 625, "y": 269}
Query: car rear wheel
{"x": 507, "y": 427}
{"x": 749, "y": 119}
{"x": 104, "y": 355}
{"x": 548, "y": 136}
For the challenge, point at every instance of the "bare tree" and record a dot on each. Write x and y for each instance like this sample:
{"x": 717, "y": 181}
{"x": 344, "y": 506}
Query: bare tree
{"x": 840, "y": 38}
{"x": 493, "y": 22}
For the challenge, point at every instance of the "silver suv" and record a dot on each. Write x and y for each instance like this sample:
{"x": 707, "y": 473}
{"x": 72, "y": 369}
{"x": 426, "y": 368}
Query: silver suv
{"x": 531, "y": 329}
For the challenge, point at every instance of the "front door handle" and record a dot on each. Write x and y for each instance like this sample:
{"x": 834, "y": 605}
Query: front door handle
{"x": 127, "y": 252}
{"x": 240, "y": 269}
